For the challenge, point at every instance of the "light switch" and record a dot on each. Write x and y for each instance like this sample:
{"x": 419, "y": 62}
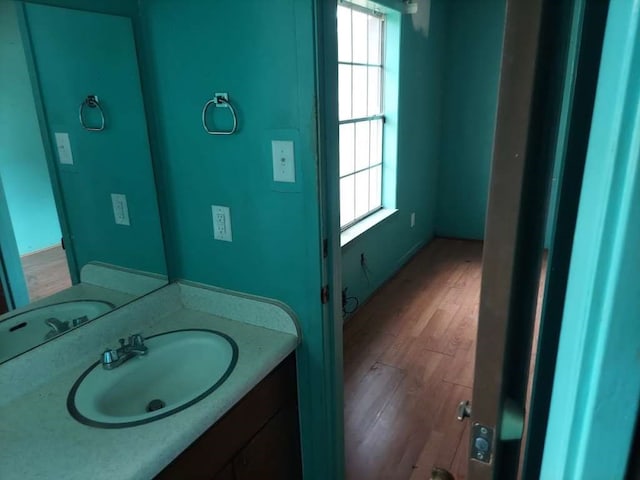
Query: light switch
{"x": 120, "y": 209}
{"x": 64, "y": 148}
{"x": 284, "y": 168}
{"x": 221, "y": 223}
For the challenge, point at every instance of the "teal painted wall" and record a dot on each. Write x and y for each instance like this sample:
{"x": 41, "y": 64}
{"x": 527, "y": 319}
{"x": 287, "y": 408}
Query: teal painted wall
{"x": 263, "y": 55}
{"x": 473, "y": 54}
{"x": 419, "y": 129}
{"x": 23, "y": 166}
{"x": 79, "y": 53}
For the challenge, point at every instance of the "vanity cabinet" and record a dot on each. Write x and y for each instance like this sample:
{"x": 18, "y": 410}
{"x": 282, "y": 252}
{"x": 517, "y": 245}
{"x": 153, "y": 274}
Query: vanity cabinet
{"x": 257, "y": 439}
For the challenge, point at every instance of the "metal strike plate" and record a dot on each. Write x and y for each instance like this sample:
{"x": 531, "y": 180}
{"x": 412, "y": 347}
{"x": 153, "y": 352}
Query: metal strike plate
{"x": 481, "y": 443}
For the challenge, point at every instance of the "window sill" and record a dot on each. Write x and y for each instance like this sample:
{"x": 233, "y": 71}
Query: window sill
{"x": 353, "y": 232}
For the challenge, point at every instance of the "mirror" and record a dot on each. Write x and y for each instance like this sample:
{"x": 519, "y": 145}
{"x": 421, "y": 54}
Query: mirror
{"x": 80, "y": 231}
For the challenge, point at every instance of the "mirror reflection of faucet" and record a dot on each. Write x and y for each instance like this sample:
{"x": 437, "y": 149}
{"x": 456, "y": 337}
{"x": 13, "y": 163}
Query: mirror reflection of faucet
{"x": 57, "y": 327}
{"x": 113, "y": 358}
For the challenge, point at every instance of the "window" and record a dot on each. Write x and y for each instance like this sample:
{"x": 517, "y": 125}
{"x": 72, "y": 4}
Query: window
{"x": 361, "y": 118}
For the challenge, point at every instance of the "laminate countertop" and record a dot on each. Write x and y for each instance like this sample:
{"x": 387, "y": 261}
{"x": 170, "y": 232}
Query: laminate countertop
{"x": 40, "y": 440}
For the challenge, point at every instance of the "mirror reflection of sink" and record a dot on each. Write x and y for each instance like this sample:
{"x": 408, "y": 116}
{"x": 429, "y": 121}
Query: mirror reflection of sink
{"x": 21, "y": 331}
{"x": 179, "y": 369}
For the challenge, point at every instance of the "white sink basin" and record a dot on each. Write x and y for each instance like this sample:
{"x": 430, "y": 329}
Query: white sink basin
{"x": 180, "y": 369}
{"x": 21, "y": 331}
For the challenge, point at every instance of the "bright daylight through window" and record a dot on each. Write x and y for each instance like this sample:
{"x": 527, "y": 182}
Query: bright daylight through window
{"x": 361, "y": 119}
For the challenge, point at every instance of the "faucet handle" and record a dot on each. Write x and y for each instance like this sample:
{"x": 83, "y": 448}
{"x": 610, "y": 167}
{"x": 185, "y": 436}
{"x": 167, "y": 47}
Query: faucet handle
{"x": 109, "y": 357}
{"x": 80, "y": 320}
{"x": 136, "y": 340}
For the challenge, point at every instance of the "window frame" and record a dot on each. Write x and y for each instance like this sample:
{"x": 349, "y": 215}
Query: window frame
{"x": 369, "y": 118}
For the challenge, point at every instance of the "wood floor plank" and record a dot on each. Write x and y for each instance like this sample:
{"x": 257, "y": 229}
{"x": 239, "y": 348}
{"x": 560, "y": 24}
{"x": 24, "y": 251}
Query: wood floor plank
{"x": 362, "y": 353}
{"x": 462, "y": 367}
{"x": 365, "y": 400}
{"x": 398, "y": 435}
{"x": 433, "y": 334}
{"x": 459, "y": 465}
{"x": 421, "y": 469}
{"x": 449, "y": 424}
{"x": 460, "y": 334}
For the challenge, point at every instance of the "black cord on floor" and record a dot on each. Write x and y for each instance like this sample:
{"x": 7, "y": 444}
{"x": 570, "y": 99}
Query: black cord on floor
{"x": 349, "y": 303}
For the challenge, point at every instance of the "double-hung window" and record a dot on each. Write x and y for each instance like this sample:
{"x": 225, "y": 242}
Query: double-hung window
{"x": 361, "y": 115}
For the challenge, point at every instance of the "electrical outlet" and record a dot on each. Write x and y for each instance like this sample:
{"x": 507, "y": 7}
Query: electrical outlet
{"x": 221, "y": 223}
{"x": 413, "y": 219}
{"x": 120, "y": 209}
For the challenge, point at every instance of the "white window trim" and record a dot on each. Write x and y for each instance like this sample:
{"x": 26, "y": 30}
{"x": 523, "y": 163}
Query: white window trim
{"x": 367, "y": 223}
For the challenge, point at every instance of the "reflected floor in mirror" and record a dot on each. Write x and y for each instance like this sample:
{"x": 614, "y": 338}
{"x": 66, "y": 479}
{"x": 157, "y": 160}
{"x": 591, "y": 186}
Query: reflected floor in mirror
{"x": 408, "y": 362}
{"x": 46, "y": 272}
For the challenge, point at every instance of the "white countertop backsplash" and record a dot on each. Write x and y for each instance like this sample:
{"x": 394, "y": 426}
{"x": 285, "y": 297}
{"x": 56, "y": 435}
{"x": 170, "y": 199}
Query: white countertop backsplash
{"x": 38, "y": 437}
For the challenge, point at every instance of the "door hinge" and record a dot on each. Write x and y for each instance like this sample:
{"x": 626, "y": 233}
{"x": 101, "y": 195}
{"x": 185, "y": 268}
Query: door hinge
{"x": 324, "y": 295}
{"x": 325, "y": 248}
{"x": 62, "y": 243}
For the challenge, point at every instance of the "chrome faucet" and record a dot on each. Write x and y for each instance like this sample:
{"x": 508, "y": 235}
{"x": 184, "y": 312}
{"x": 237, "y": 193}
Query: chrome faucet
{"x": 113, "y": 358}
{"x": 57, "y": 327}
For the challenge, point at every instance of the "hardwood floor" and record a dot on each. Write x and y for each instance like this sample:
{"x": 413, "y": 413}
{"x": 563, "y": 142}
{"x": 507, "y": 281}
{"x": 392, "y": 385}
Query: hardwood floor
{"x": 46, "y": 272}
{"x": 409, "y": 355}
{"x": 408, "y": 362}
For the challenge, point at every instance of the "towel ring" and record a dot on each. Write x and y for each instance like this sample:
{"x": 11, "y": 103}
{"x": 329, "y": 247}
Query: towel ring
{"x": 92, "y": 102}
{"x": 219, "y": 100}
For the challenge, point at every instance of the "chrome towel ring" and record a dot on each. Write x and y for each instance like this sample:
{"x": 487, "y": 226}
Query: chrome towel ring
{"x": 219, "y": 100}
{"x": 92, "y": 102}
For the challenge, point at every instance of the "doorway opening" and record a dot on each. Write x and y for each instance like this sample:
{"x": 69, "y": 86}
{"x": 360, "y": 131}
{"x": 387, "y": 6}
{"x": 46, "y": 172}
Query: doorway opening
{"x": 32, "y": 251}
{"x": 411, "y": 281}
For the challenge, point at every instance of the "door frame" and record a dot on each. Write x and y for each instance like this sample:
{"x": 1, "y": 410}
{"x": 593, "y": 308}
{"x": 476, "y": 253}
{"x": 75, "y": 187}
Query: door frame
{"x": 13, "y": 286}
{"x": 587, "y": 19}
{"x": 596, "y": 390}
{"x": 329, "y": 203}
{"x": 45, "y": 138}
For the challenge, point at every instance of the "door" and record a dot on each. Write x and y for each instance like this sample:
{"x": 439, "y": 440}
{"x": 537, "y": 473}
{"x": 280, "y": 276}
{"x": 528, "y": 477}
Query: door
{"x": 533, "y": 74}
{"x": 13, "y": 287}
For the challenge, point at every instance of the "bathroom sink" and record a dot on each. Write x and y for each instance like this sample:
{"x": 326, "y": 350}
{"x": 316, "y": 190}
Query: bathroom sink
{"x": 179, "y": 369}
{"x": 21, "y": 331}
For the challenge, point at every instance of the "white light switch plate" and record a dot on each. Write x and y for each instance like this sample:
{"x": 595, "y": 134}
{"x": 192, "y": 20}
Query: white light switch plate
{"x": 120, "y": 208}
{"x": 284, "y": 167}
{"x": 64, "y": 148}
{"x": 221, "y": 223}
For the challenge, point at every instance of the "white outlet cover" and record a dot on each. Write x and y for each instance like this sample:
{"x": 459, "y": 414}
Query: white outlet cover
{"x": 65, "y": 156}
{"x": 221, "y": 223}
{"x": 120, "y": 209}
{"x": 284, "y": 165}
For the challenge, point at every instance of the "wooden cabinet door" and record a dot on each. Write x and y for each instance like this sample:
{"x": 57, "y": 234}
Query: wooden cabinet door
{"x": 273, "y": 452}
